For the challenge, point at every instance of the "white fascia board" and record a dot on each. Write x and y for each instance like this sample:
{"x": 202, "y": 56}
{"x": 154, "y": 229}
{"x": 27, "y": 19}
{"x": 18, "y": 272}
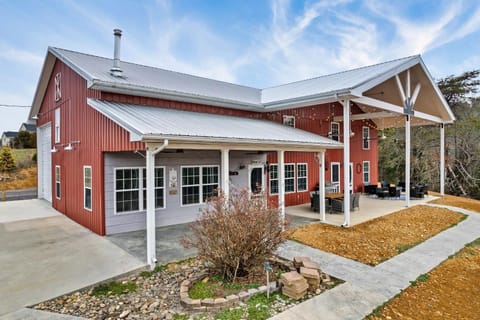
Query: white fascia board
{"x": 368, "y": 84}
{"x": 232, "y": 142}
{"x": 439, "y": 93}
{"x": 299, "y": 102}
{"x": 172, "y": 95}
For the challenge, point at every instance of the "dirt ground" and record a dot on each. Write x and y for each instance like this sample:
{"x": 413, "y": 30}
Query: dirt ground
{"x": 19, "y": 179}
{"x": 451, "y": 291}
{"x": 465, "y": 203}
{"x": 380, "y": 239}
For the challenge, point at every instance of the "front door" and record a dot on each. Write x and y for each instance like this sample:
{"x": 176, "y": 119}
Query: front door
{"x": 256, "y": 181}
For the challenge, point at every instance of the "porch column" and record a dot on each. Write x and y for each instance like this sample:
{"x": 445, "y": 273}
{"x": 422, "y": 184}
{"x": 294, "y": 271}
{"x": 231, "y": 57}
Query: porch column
{"x": 152, "y": 150}
{"x": 407, "y": 160}
{"x": 346, "y": 162}
{"x": 442, "y": 159}
{"x": 321, "y": 184}
{"x": 225, "y": 167}
{"x": 281, "y": 183}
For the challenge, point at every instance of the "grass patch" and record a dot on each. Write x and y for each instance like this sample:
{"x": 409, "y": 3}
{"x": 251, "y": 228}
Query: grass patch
{"x": 203, "y": 290}
{"x": 180, "y": 316}
{"x": 161, "y": 268}
{"x": 215, "y": 287}
{"x": 114, "y": 288}
{"x": 404, "y": 247}
{"x": 421, "y": 278}
{"x": 146, "y": 274}
{"x": 230, "y": 314}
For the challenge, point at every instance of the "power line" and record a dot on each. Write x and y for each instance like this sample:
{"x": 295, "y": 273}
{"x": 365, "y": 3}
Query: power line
{"x": 13, "y": 106}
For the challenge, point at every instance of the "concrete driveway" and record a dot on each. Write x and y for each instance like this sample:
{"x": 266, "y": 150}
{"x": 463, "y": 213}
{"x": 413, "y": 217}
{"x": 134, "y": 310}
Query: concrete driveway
{"x": 44, "y": 254}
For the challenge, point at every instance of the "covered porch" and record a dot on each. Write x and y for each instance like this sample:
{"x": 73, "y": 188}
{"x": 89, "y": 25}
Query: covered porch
{"x": 370, "y": 208}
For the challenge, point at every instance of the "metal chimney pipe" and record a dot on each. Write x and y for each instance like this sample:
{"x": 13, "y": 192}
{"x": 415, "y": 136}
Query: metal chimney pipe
{"x": 116, "y": 71}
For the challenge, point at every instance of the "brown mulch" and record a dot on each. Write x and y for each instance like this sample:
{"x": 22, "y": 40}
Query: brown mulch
{"x": 380, "y": 239}
{"x": 451, "y": 291}
{"x": 461, "y": 202}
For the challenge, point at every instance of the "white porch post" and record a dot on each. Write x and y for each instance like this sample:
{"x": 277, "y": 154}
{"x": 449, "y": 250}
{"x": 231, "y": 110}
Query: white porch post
{"x": 442, "y": 159}
{"x": 407, "y": 160}
{"x": 321, "y": 184}
{"x": 152, "y": 150}
{"x": 346, "y": 161}
{"x": 281, "y": 183}
{"x": 225, "y": 173}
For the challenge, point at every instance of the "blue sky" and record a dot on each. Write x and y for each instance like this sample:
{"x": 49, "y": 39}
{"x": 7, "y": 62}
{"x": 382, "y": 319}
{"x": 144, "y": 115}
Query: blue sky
{"x": 250, "y": 42}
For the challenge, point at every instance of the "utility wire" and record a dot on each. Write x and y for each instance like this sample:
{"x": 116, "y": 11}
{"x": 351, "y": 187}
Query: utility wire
{"x": 13, "y": 106}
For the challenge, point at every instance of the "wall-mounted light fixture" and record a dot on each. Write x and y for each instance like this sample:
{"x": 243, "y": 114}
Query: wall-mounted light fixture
{"x": 69, "y": 146}
{"x": 54, "y": 149}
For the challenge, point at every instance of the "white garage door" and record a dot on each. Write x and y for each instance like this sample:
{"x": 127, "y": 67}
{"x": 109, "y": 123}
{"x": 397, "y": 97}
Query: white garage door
{"x": 44, "y": 162}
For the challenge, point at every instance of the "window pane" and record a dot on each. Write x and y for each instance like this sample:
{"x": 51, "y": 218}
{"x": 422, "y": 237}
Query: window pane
{"x": 190, "y": 176}
{"x": 159, "y": 179}
{"x": 190, "y": 195}
{"x": 273, "y": 186}
{"x": 159, "y": 198}
{"x": 209, "y": 175}
{"x": 273, "y": 171}
{"x": 289, "y": 171}
{"x": 209, "y": 191}
{"x": 335, "y": 173}
{"x": 302, "y": 184}
{"x": 88, "y": 198}
{"x": 289, "y": 185}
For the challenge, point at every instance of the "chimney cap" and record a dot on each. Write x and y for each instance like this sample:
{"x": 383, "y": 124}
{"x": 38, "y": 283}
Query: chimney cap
{"x": 117, "y": 32}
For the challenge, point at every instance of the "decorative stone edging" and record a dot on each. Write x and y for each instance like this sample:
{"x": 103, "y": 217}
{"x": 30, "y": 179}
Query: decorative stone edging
{"x": 210, "y": 304}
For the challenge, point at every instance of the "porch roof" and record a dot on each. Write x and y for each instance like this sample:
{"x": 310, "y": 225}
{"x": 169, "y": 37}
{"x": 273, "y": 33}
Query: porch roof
{"x": 146, "y": 123}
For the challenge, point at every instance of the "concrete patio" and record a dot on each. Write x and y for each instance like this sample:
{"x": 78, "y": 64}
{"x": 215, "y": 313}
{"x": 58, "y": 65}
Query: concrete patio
{"x": 370, "y": 208}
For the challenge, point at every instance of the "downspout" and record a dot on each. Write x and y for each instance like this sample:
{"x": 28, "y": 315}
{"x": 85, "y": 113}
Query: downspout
{"x": 150, "y": 159}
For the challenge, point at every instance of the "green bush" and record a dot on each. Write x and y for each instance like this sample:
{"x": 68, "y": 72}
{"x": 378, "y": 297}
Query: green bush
{"x": 7, "y": 161}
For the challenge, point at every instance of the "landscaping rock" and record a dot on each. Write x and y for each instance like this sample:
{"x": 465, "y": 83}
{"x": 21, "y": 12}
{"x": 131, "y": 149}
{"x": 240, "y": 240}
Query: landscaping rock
{"x": 294, "y": 285}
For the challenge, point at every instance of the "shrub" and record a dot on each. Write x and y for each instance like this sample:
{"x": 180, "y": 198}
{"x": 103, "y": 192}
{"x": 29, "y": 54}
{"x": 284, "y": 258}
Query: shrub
{"x": 7, "y": 161}
{"x": 236, "y": 236}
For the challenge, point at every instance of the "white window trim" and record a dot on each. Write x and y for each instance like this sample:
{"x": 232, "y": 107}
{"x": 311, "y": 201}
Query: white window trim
{"x": 144, "y": 188}
{"x": 363, "y": 171}
{"x": 306, "y": 176}
{"x": 85, "y": 188}
{"x": 57, "y": 125}
{"x": 59, "y": 182}
{"x": 366, "y": 137}
{"x": 287, "y": 118}
{"x": 270, "y": 179}
{"x": 294, "y": 177}
{"x": 331, "y": 172}
{"x": 338, "y": 131}
{"x": 141, "y": 209}
{"x": 200, "y": 185}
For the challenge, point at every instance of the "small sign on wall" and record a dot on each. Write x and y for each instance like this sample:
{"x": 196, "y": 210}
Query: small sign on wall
{"x": 172, "y": 178}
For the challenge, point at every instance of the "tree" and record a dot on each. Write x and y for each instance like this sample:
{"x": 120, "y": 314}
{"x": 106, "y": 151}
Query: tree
{"x": 7, "y": 161}
{"x": 25, "y": 139}
{"x": 236, "y": 239}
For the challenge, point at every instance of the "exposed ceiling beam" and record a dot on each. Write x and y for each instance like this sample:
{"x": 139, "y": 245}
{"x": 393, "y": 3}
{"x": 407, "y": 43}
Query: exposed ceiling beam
{"x": 364, "y": 116}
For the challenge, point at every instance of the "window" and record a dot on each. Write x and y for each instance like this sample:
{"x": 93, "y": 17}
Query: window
{"x": 127, "y": 189}
{"x": 129, "y": 182}
{"x": 302, "y": 174}
{"x": 273, "y": 179}
{"x": 289, "y": 177}
{"x": 366, "y": 171}
{"x": 58, "y": 87}
{"x": 289, "y": 121}
{"x": 57, "y": 125}
{"x": 335, "y": 131}
{"x": 198, "y": 184}
{"x": 366, "y": 138}
{"x": 87, "y": 187}
{"x": 57, "y": 182}
{"x": 159, "y": 187}
{"x": 335, "y": 172}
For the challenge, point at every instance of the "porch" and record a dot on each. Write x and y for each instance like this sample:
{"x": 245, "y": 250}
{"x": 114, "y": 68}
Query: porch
{"x": 370, "y": 208}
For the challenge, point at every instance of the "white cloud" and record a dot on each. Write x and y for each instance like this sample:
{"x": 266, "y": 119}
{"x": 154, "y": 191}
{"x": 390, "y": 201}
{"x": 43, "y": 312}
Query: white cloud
{"x": 20, "y": 56}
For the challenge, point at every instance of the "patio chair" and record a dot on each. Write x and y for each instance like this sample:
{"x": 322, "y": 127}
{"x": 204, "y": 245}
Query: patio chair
{"x": 394, "y": 192}
{"x": 337, "y": 204}
{"x": 315, "y": 203}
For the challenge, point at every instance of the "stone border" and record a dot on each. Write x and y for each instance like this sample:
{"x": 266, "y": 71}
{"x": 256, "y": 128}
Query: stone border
{"x": 210, "y": 304}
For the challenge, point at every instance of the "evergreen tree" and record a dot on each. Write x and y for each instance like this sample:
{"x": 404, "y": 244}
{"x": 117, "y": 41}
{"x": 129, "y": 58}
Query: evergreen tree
{"x": 7, "y": 161}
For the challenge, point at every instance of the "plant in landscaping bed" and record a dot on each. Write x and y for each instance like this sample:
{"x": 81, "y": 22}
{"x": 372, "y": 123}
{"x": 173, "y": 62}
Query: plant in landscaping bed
{"x": 114, "y": 288}
{"x": 236, "y": 235}
{"x": 421, "y": 278}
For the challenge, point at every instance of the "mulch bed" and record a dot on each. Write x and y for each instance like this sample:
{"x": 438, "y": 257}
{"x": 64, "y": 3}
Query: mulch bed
{"x": 461, "y": 202}
{"x": 450, "y": 291}
{"x": 380, "y": 239}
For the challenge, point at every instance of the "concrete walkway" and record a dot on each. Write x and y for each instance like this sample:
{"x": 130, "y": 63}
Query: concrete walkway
{"x": 367, "y": 287}
{"x": 44, "y": 254}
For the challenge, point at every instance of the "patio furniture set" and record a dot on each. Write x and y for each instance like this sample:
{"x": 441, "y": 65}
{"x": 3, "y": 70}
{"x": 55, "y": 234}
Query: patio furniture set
{"x": 385, "y": 190}
{"x": 334, "y": 202}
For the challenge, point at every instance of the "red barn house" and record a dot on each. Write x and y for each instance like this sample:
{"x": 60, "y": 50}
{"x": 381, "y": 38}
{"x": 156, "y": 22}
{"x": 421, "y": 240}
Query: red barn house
{"x": 122, "y": 145}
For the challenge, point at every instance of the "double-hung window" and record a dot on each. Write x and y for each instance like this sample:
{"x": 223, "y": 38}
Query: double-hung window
{"x": 335, "y": 172}
{"x": 199, "y": 183}
{"x": 289, "y": 177}
{"x": 159, "y": 188}
{"x": 366, "y": 171}
{"x": 289, "y": 121}
{"x": 131, "y": 189}
{"x": 302, "y": 174}
{"x": 335, "y": 131}
{"x": 87, "y": 187}
{"x": 57, "y": 125}
{"x": 273, "y": 175}
{"x": 366, "y": 138}
{"x": 58, "y": 177}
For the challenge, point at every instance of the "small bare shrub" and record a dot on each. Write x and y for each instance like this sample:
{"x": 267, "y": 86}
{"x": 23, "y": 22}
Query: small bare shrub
{"x": 237, "y": 237}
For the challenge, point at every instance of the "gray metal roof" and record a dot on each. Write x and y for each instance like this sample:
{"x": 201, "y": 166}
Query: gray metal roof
{"x": 155, "y": 80}
{"x": 146, "y": 122}
{"x": 10, "y": 134}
